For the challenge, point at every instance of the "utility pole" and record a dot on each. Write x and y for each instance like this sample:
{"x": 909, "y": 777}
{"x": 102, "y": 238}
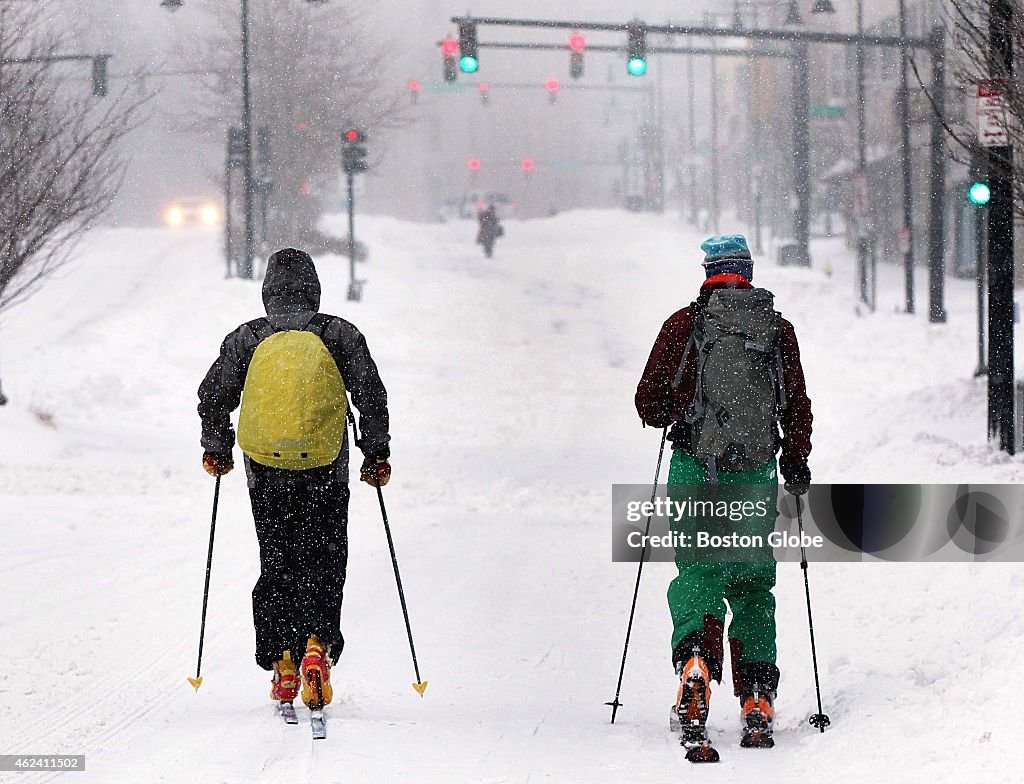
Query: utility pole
{"x": 937, "y": 177}
{"x": 691, "y": 135}
{"x": 801, "y": 153}
{"x": 245, "y": 269}
{"x": 862, "y": 159}
{"x": 714, "y": 139}
{"x": 908, "y": 177}
{"x": 1000, "y": 243}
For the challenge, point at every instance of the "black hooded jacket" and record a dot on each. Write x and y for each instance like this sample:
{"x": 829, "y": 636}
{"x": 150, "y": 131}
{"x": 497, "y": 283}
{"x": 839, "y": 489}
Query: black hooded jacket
{"x": 291, "y": 295}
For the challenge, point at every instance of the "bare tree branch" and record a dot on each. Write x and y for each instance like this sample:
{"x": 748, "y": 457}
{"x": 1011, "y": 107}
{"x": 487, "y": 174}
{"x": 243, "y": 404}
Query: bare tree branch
{"x": 58, "y": 165}
{"x": 313, "y": 71}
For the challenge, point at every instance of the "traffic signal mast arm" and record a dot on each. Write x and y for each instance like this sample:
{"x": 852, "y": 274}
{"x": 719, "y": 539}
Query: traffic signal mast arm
{"x": 651, "y": 49}
{"x": 765, "y": 34}
{"x": 99, "y": 66}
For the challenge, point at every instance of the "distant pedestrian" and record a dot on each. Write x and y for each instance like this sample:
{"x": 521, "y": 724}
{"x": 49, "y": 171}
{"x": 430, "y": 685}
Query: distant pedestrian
{"x": 490, "y": 229}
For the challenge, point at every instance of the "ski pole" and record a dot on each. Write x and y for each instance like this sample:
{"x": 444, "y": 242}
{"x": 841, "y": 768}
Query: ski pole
{"x": 198, "y": 680}
{"x": 819, "y": 719}
{"x": 639, "y": 572}
{"x": 420, "y": 685}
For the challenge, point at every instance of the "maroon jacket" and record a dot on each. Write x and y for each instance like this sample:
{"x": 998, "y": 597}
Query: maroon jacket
{"x": 658, "y": 406}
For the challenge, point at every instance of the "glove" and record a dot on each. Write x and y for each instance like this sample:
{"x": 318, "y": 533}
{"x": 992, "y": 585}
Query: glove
{"x": 798, "y": 478}
{"x": 375, "y": 472}
{"x": 217, "y": 465}
{"x": 797, "y": 488}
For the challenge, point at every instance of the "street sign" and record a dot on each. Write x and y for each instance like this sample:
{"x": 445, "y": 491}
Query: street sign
{"x": 992, "y": 115}
{"x": 825, "y": 111}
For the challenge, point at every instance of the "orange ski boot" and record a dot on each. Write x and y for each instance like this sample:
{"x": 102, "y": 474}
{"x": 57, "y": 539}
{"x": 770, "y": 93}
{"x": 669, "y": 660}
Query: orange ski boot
{"x": 285, "y": 686}
{"x": 758, "y": 714}
{"x": 691, "y": 709}
{"x": 316, "y": 675}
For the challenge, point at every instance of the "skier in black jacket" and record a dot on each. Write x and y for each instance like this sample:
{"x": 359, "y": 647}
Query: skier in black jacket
{"x": 301, "y": 515}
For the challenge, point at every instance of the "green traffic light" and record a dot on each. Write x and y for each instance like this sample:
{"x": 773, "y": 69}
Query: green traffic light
{"x": 469, "y": 64}
{"x": 979, "y": 193}
{"x": 636, "y": 66}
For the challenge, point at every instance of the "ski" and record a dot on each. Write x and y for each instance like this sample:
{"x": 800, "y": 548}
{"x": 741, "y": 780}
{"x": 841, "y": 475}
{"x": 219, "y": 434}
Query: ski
{"x": 698, "y": 745}
{"x": 694, "y": 738}
{"x": 287, "y": 712}
{"x": 318, "y": 722}
{"x": 757, "y": 739}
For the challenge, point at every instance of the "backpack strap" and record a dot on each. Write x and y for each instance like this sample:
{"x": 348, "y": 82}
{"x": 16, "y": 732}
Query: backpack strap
{"x": 261, "y": 328}
{"x": 318, "y": 324}
{"x": 775, "y": 366}
{"x": 686, "y": 355}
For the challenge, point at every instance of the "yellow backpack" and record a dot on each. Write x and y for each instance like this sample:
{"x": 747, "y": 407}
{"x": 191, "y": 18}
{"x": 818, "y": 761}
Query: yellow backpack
{"x": 293, "y": 402}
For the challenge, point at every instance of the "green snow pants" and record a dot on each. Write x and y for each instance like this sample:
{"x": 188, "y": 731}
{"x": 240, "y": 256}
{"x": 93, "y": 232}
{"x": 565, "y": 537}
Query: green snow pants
{"x": 697, "y": 597}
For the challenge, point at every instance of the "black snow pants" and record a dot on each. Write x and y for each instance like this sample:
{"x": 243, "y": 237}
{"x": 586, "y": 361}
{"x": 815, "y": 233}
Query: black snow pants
{"x": 301, "y": 523}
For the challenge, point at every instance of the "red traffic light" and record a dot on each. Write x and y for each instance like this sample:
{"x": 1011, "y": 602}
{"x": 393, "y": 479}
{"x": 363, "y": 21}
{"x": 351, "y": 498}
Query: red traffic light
{"x": 552, "y": 85}
{"x": 352, "y": 135}
{"x": 449, "y": 46}
{"x": 577, "y": 42}
{"x": 474, "y": 164}
{"x": 484, "y": 87}
{"x": 301, "y": 126}
{"x": 414, "y": 85}
{"x": 527, "y": 164}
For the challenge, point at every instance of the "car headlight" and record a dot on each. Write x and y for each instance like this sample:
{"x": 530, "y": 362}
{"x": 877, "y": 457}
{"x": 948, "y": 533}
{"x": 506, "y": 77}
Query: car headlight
{"x": 210, "y": 215}
{"x": 175, "y": 216}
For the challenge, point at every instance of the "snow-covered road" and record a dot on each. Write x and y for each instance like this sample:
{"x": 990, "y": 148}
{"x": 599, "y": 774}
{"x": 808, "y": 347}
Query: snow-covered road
{"x": 511, "y": 384}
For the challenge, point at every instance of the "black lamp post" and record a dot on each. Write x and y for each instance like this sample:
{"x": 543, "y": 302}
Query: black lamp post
{"x": 245, "y": 269}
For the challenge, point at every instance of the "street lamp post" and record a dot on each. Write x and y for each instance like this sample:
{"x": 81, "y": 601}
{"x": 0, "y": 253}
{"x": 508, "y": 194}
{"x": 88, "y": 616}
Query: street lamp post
{"x": 245, "y": 267}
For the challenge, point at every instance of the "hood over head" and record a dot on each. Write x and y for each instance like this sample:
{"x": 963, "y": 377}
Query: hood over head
{"x": 291, "y": 284}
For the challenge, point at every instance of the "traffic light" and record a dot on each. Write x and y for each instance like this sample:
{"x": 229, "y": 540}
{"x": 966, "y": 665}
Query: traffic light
{"x": 527, "y": 166}
{"x": 99, "y": 76}
{"x": 468, "y": 58}
{"x": 449, "y": 47}
{"x": 979, "y": 193}
{"x": 353, "y": 151}
{"x": 636, "y": 47}
{"x": 552, "y": 87}
{"x": 577, "y": 43}
{"x": 485, "y": 93}
{"x": 474, "y": 164}
{"x": 414, "y": 90}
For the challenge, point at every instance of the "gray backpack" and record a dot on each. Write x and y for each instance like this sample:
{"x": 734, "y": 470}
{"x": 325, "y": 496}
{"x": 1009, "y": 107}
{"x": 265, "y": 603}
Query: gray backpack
{"x": 739, "y": 393}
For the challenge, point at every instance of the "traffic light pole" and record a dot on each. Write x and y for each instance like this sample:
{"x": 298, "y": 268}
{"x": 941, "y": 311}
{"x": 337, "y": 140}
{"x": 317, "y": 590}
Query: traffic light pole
{"x": 352, "y": 287}
{"x": 1000, "y": 246}
{"x": 937, "y": 194}
{"x": 981, "y": 249}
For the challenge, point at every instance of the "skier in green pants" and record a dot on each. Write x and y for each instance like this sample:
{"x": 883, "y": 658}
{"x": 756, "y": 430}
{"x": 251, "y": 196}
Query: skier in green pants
{"x": 725, "y": 373}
